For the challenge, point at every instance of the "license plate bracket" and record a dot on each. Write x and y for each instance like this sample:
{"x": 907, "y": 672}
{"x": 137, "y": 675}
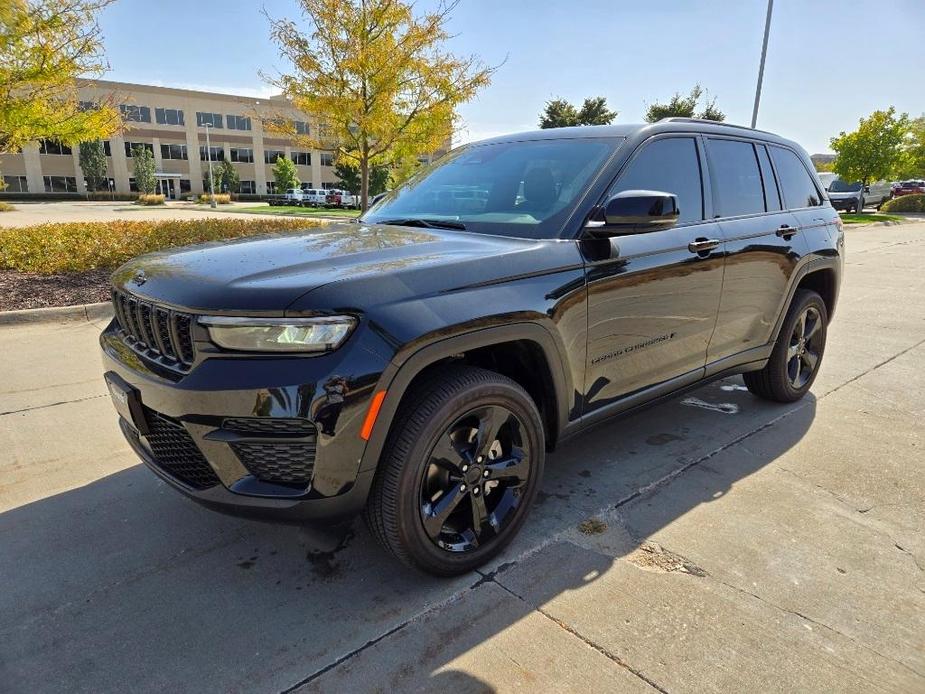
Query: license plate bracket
{"x": 127, "y": 401}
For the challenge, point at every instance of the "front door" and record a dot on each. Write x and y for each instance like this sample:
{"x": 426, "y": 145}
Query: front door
{"x": 653, "y": 297}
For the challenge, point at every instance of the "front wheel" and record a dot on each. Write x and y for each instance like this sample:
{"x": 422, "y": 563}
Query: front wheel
{"x": 461, "y": 468}
{"x": 797, "y": 355}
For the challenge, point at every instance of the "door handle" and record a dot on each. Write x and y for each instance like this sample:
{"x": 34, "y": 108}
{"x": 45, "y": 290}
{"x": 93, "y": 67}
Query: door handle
{"x": 786, "y": 231}
{"x": 702, "y": 245}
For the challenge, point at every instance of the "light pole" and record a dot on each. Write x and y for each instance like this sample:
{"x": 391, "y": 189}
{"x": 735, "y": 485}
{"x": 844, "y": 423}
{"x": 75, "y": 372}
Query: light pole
{"x": 208, "y": 126}
{"x": 764, "y": 52}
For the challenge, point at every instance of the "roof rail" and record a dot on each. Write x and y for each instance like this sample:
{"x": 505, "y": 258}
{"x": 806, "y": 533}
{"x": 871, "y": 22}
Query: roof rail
{"x": 680, "y": 119}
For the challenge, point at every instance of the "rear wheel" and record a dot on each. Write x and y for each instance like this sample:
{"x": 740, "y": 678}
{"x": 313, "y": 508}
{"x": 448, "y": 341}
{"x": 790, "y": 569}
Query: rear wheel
{"x": 797, "y": 355}
{"x": 460, "y": 471}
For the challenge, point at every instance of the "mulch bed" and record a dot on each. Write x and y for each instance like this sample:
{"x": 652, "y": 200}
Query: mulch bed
{"x": 20, "y": 290}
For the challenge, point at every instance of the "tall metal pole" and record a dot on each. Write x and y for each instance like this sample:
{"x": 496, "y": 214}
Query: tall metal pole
{"x": 764, "y": 52}
{"x": 208, "y": 126}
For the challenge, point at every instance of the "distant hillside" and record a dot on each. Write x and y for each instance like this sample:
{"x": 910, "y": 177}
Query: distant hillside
{"x": 822, "y": 158}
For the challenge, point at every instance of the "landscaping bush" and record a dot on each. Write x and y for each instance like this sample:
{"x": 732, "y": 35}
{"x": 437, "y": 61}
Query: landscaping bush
{"x": 81, "y": 246}
{"x": 150, "y": 199}
{"x": 905, "y": 203}
{"x": 6, "y": 207}
{"x": 107, "y": 196}
{"x": 220, "y": 198}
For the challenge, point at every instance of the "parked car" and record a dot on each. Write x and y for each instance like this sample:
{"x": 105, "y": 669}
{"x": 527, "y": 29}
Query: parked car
{"x": 293, "y": 196}
{"x": 342, "y": 198}
{"x": 854, "y": 197}
{"x": 909, "y": 188}
{"x": 417, "y": 366}
{"x": 314, "y": 197}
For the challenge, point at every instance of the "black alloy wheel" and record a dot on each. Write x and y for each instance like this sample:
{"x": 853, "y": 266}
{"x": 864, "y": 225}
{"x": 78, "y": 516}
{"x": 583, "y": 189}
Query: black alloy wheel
{"x": 805, "y": 347}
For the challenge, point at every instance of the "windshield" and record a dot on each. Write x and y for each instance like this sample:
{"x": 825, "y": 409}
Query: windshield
{"x": 839, "y": 186}
{"x": 525, "y": 189}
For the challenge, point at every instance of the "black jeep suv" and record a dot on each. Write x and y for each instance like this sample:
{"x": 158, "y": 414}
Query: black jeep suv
{"x": 417, "y": 365}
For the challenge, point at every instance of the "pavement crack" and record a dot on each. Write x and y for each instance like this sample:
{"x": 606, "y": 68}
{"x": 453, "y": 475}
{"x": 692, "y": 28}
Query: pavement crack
{"x": 53, "y": 404}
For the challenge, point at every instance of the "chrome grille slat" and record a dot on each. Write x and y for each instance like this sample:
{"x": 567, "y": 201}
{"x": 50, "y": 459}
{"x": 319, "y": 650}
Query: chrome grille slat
{"x": 156, "y": 332}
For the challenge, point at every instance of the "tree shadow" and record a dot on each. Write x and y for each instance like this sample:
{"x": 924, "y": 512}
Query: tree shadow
{"x": 124, "y": 584}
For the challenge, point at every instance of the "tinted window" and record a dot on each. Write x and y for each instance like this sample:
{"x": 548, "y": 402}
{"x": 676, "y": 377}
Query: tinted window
{"x": 669, "y": 165}
{"x": 839, "y": 186}
{"x": 736, "y": 179}
{"x": 795, "y": 181}
{"x": 771, "y": 194}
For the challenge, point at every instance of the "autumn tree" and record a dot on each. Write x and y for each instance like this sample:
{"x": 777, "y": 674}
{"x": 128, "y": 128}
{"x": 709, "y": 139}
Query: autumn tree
{"x": 559, "y": 113}
{"x": 285, "y": 174}
{"x": 143, "y": 168}
{"x": 47, "y": 49}
{"x": 377, "y": 76}
{"x": 226, "y": 177}
{"x": 686, "y": 107}
{"x": 874, "y": 150}
{"x": 911, "y": 163}
{"x": 92, "y": 157}
{"x": 348, "y": 177}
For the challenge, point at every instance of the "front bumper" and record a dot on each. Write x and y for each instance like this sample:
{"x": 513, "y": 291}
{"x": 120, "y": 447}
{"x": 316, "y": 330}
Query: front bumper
{"x": 182, "y": 427}
{"x": 846, "y": 204}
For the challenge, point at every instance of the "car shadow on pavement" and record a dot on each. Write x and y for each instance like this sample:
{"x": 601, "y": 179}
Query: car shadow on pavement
{"x": 124, "y": 584}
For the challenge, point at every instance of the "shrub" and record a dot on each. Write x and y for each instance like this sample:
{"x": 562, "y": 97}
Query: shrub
{"x": 6, "y": 207}
{"x": 151, "y": 199}
{"x": 220, "y": 198}
{"x": 81, "y": 246}
{"x": 905, "y": 203}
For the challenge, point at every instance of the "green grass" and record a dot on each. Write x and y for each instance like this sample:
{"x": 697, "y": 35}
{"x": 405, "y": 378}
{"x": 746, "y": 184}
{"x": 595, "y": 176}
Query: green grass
{"x": 298, "y": 211}
{"x": 869, "y": 218}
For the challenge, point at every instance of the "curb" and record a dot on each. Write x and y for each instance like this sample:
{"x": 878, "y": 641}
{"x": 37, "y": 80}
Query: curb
{"x": 82, "y": 313}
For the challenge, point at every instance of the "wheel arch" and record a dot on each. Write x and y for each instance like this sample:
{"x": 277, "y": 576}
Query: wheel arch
{"x": 525, "y": 352}
{"x": 822, "y": 276}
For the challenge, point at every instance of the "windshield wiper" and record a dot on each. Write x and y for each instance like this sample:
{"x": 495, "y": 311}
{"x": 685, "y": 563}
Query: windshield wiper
{"x": 427, "y": 223}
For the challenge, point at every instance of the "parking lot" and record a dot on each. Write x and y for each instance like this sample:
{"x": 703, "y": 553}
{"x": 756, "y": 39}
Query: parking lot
{"x": 715, "y": 542}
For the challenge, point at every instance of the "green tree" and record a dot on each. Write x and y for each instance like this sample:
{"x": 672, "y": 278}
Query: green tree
{"x": 685, "y": 107}
{"x": 873, "y": 151}
{"x": 376, "y": 76}
{"x": 226, "y": 177}
{"x": 559, "y": 113}
{"x": 911, "y": 163}
{"x": 348, "y": 177}
{"x": 92, "y": 156}
{"x": 48, "y": 48}
{"x": 285, "y": 174}
{"x": 144, "y": 170}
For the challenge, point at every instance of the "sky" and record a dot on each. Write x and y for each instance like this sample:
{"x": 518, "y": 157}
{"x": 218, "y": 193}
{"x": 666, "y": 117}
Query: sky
{"x": 829, "y": 63}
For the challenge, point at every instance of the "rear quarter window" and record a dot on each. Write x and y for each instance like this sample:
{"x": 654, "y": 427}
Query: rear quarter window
{"x": 797, "y": 185}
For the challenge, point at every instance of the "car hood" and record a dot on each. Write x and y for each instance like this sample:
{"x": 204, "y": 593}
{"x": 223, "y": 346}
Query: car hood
{"x": 264, "y": 275}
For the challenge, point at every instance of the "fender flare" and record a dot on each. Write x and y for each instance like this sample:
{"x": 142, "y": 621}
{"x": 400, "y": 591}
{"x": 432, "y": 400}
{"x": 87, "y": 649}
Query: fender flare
{"x": 397, "y": 377}
{"x": 811, "y": 266}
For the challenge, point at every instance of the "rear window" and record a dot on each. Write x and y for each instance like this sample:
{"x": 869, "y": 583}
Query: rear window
{"x": 795, "y": 182}
{"x": 736, "y": 178}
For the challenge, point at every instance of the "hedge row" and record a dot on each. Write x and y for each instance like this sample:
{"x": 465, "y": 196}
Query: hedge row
{"x": 81, "y": 246}
{"x": 905, "y": 203}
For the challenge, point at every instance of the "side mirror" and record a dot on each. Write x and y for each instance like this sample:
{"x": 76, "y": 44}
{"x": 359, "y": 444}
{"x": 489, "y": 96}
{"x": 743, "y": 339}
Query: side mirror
{"x": 376, "y": 198}
{"x": 866, "y": 189}
{"x": 635, "y": 212}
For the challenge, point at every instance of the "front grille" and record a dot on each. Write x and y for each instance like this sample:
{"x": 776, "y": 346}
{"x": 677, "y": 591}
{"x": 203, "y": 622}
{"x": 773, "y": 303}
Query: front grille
{"x": 281, "y": 462}
{"x": 156, "y": 332}
{"x": 270, "y": 425}
{"x": 176, "y": 453}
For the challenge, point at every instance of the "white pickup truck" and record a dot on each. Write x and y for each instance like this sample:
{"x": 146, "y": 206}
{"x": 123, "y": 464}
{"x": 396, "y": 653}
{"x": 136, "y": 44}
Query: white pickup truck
{"x": 342, "y": 198}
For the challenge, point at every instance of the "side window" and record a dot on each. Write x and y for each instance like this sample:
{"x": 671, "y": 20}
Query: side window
{"x": 795, "y": 182}
{"x": 771, "y": 194}
{"x": 735, "y": 177}
{"x": 670, "y": 165}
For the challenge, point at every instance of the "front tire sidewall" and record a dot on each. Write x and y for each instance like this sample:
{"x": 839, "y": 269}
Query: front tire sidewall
{"x": 424, "y": 553}
{"x": 779, "y": 357}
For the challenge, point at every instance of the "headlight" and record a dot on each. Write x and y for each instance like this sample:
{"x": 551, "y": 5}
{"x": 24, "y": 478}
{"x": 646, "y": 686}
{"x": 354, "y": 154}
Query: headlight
{"x": 319, "y": 334}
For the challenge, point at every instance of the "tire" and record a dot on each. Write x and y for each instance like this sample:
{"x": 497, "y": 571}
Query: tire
{"x": 784, "y": 377}
{"x": 420, "y": 510}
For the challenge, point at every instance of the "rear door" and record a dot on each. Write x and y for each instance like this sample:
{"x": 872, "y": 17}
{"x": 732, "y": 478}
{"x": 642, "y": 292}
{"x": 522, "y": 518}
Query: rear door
{"x": 652, "y": 297}
{"x": 763, "y": 244}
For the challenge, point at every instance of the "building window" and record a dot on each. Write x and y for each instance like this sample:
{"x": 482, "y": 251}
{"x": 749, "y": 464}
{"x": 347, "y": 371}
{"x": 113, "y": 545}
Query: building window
{"x": 271, "y": 155}
{"x": 60, "y": 184}
{"x": 271, "y": 187}
{"x": 129, "y": 146}
{"x": 215, "y": 153}
{"x": 238, "y": 122}
{"x": 245, "y": 155}
{"x": 169, "y": 116}
{"x": 302, "y": 158}
{"x": 132, "y": 186}
{"x": 185, "y": 186}
{"x": 173, "y": 152}
{"x": 86, "y": 106}
{"x": 138, "y": 114}
{"x": 213, "y": 119}
{"x": 52, "y": 147}
{"x": 249, "y": 187}
{"x": 329, "y": 185}
{"x": 16, "y": 184}
{"x": 301, "y": 127}
{"x": 327, "y": 159}
{"x": 107, "y": 148}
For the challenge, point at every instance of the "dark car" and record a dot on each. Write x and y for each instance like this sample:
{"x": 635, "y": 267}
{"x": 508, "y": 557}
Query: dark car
{"x": 909, "y": 188}
{"x": 416, "y": 366}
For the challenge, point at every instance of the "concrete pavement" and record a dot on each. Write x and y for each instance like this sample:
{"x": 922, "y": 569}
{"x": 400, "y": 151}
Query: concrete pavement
{"x": 738, "y": 548}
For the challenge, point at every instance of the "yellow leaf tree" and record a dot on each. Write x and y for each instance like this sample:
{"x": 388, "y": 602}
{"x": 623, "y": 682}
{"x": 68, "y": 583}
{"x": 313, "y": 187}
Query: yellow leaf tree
{"x": 376, "y": 76}
{"x": 47, "y": 49}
